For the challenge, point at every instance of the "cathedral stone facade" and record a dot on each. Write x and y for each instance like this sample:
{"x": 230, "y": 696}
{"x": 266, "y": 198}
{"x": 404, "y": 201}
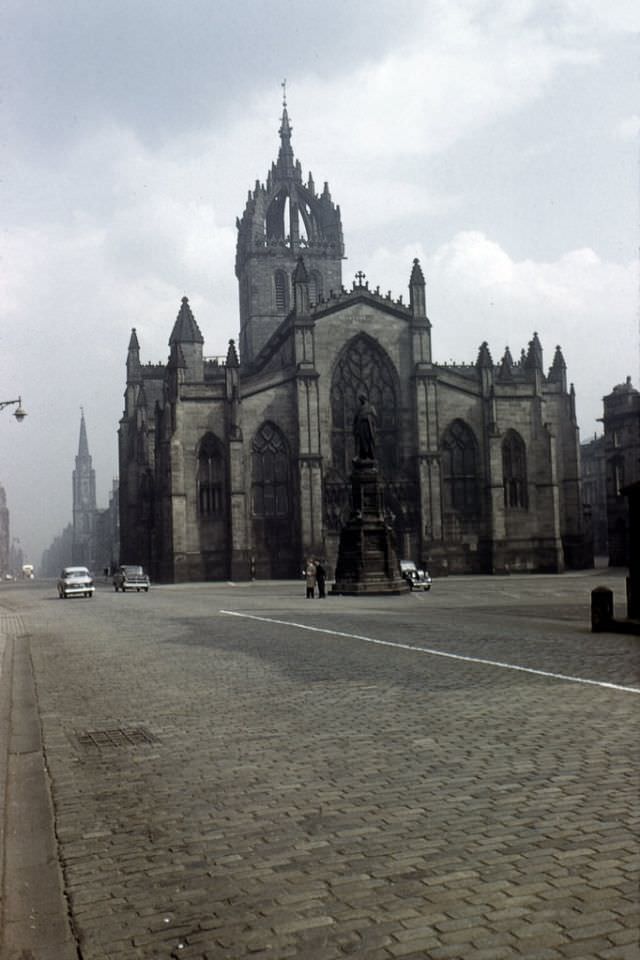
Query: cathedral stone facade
{"x": 241, "y": 465}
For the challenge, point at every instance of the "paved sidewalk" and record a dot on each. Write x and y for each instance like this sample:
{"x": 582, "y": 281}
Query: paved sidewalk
{"x": 323, "y": 780}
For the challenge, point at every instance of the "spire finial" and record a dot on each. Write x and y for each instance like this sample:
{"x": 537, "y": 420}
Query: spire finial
{"x": 284, "y": 93}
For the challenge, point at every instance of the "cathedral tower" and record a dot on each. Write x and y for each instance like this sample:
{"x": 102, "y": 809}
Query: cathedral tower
{"x": 284, "y": 219}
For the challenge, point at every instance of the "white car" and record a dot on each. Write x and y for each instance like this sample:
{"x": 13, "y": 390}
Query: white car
{"x": 75, "y": 582}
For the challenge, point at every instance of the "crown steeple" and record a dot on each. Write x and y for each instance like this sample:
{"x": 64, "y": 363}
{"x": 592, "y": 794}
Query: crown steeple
{"x": 284, "y": 218}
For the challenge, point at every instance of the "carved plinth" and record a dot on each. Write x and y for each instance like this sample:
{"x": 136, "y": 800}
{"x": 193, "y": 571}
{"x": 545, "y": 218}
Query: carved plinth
{"x": 367, "y": 559}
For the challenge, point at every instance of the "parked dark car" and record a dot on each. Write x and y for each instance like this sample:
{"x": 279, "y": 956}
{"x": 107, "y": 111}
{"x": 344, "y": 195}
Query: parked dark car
{"x": 130, "y": 576}
{"x": 417, "y": 578}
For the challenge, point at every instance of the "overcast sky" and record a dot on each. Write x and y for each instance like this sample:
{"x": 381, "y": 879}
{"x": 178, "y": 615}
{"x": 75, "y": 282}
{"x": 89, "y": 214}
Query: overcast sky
{"x": 496, "y": 141}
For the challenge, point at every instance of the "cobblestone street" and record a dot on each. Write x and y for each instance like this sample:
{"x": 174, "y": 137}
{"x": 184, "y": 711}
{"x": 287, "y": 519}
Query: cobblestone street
{"x": 236, "y": 771}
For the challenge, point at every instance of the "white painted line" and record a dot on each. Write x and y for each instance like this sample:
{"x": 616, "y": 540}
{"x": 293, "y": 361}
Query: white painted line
{"x": 435, "y": 653}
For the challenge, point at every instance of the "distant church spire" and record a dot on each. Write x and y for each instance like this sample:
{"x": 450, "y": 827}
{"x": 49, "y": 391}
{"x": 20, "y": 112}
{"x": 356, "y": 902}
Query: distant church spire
{"x": 83, "y": 444}
{"x": 83, "y": 548}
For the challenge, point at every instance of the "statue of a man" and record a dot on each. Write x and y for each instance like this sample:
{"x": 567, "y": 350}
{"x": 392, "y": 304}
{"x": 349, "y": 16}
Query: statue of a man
{"x": 364, "y": 430}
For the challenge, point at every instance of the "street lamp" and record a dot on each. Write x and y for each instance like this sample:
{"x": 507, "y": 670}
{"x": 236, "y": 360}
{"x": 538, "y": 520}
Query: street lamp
{"x": 20, "y": 413}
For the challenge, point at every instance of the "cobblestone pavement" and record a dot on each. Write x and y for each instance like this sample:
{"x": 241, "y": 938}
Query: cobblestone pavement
{"x": 234, "y": 784}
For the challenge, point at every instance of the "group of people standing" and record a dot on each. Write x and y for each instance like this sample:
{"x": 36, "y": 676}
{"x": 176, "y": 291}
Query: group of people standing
{"x": 315, "y": 575}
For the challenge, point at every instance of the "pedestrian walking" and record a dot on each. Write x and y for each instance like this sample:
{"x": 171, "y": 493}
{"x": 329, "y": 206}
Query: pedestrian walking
{"x": 310, "y": 577}
{"x": 321, "y": 576}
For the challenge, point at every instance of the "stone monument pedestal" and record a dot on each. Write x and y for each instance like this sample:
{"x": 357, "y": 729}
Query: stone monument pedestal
{"x": 367, "y": 559}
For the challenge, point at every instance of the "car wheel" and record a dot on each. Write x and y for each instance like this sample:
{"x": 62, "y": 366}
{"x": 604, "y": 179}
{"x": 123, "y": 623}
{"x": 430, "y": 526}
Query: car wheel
{"x": 146, "y": 589}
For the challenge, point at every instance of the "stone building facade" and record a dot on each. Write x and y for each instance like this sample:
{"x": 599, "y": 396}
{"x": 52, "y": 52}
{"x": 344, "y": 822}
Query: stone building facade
{"x": 621, "y": 419}
{"x": 242, "y": 464}
{"x": 594, "y": 492}
{"x": 5, "y": 536}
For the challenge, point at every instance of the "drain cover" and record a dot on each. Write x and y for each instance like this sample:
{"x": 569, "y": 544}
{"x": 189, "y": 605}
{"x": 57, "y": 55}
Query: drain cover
{"x": 115, "y": 737}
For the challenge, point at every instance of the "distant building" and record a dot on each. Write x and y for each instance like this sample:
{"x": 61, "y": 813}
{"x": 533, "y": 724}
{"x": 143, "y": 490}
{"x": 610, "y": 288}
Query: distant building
{"x": 5, "y": 535}
{"x": 243, "y": 462}
{"x": 621, "y": 419}
{"x": 92, "y": 538}
{"x": 58, "y": 554}
{"x": 594, "y": 492}
{"x": 107, "y": 533}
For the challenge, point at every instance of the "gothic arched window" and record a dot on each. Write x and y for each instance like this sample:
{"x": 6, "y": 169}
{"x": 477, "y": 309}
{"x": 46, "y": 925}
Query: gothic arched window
{"x": 364, "y": 368}
{"x": 210, "y": 480}
{"x": 514, "y": 471}
{"x": 270, "y": 473}
{"x": 460, "y": 470}
{"x": 281, "y": 288}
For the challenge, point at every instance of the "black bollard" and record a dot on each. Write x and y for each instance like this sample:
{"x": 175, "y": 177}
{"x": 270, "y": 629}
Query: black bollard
{"x": 601, "y": 609}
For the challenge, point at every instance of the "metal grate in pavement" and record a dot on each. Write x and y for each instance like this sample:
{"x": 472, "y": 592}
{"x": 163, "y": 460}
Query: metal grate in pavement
{"x": 115, "y": 737}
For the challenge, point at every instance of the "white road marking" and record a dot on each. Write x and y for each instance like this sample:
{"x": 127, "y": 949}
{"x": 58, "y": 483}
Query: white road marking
{"x": 434, "y": 653}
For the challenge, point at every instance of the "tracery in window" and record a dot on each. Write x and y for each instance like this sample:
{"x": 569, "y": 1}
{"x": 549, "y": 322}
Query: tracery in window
{"x": 460, "y": 480}
{"x": 514, "y": 471}
{"x": 210, "y": 480}
{"x": 270, "y": 473}
{"x": 364, "y": 368}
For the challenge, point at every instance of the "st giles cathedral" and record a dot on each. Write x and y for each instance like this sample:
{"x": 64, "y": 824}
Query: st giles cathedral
{"x": 240, "y": 466}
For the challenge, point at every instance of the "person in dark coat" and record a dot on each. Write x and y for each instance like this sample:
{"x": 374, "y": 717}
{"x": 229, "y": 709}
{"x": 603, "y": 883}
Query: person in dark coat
{"x": 321, "y": 576}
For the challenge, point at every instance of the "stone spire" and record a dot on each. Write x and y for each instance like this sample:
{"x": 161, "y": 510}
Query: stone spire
{"x": 285, "y": 166}
{"x": 417, "y": 297}
{"x": 558, "y": 370}
{"x": 186, "y": 343}
{"x": 83, "y": 443}
{"x": 534, "y": 354}
{"x": 133, "y": 358}
{"x": 185, "y": 329}
{"x": 506, "y": 366}
{"x": 232, "y": 355}
{"x": 484, "y": 356}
